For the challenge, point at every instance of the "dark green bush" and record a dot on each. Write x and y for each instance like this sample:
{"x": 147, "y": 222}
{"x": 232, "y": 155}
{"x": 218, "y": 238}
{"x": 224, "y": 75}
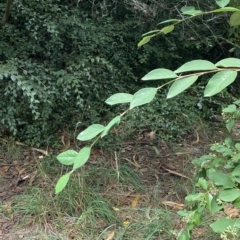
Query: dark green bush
{"x": 60, "y": 60}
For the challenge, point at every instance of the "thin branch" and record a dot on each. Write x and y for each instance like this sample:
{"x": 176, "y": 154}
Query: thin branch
{"x": 7, "y": 13}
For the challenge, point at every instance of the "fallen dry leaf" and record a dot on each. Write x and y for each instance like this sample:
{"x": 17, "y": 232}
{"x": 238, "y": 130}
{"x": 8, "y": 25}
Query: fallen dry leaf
{"x": 173, "y": 205}
{"x": 32, "y": 178}
{"x": 148, "y": 212}
{"x": 8, "y": 205}
{"x": 40, "y": 150}
{"x": 175, "y": 173}
{"x": 115, "y": 209}
{"x": 231, "y": 211}
{"x": 2, "y": 173}
{"x": 110, "y": 236}
{"x": 135, "y": 201}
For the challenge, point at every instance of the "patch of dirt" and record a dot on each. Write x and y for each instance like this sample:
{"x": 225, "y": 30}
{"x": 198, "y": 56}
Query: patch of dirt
{"x": 15, "y": 173}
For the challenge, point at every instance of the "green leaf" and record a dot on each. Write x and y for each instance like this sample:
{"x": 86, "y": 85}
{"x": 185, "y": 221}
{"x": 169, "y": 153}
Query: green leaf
{"x": 209, "y": 199}
{"x": 145, "y": 40}
{"x": 221, "y": 224}
{"x": 115, "y": 121}
{"x": 228, "y": 62}
{"x": 160, "y": 73}
{"x": 67, "y": 157}
{"x": 167, "y": 29}
{"x": 150, "y": 32}
{"x": 236, "y": 171}
{"x": 82, "y": 157}
{"x": 180, "y": 85}
{"x": 184, "y": 236}
{"x": 91, "y": 132}
{"x": 237, "y": 146}
{"x": 229, "y": 195}
{"x": 230, "y": 108}
{"x": 196, "y": 218}
{"x": 221, "y": 179}
{"x": 13, "y": 78}
{"x": 230, "y": 124}
{"x": 219, "y": 81}
{"x": 236, "y": 157}
{"x": 184, "y": 213}
{"x": 222, "y": 3}
{"x": 235, "y": 19}
{"x": 237, "y": 102}
{"x": 229, "y": 142}
{"x": 203, "y": 183}
{"x": 190, "y": 10}
{"x": 62, "y": 182}
{"x": 169, "y": 20}
{"x": 236, "y": 203}
{"x": 195, "y": 197}
{"x": 143, "y": 96}
{"x": 226, "y": 9}
{"x": 156, "y": 150}
{"x": 215, "y": 206}
{"x": 119, "y": 98}
{"x": 237, "y": 223}
{"x": 186, "y": 9}
{"x": 222, "y": 149}
{"x": 196, "y": 65}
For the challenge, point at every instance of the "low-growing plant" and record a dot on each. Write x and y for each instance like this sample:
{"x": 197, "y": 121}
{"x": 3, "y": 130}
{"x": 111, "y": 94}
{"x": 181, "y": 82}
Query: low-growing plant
{"x": 217, "y": 185}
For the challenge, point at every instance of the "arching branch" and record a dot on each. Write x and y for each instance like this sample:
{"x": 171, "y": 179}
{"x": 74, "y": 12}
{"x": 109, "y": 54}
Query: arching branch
{"x": 7, "y": 13}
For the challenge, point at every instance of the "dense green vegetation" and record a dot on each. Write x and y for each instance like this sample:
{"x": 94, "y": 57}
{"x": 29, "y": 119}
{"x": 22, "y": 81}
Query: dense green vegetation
{"x": 60, "y": 60}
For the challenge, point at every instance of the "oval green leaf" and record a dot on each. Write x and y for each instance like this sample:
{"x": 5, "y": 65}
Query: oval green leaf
{"x": 169, "y": 20}
{"x": 226, "y": 9}
{"x": 196, "y": 65}
{"x": 221, "y": 179}
{"x": 230, "y": 108}
{"x": 143, "y": 96}
{"x": 229, "y": 195}
{"x": 235, "y": 19}
{"x": 195, "y": 197}
{"x": 230, "y": 124}
{"x": 184, "y": 236}
{"x": 237, "y": 146}
{"x": 82, "y": 157}
{"x": 236, "y": 171}
{"x": 67, "y": 157}
{"x": 229, "y": 62}
{"x": 119, "y": 98}
{"x": 222, "y": 3}
{"x": 237, "y": 223}
{"x": 187, "y": 9}
{"x": 215, "y": 205}
{"x": 208, "y": 199}
{"x": 180, "y": 85}
{"x": 190, "y": 10}
{"x": 159, "y": 73}
{"x": 167, "y": 29}
{"x": 219, "y": 81}
{"x": 91, "y": 132}
{"x": 150, "y": 32}
{"x": 62, "y": 182}
{"x": 115, "y": 121}
{"x": 221, "y": 224}
{"x": 144, "y": 40}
